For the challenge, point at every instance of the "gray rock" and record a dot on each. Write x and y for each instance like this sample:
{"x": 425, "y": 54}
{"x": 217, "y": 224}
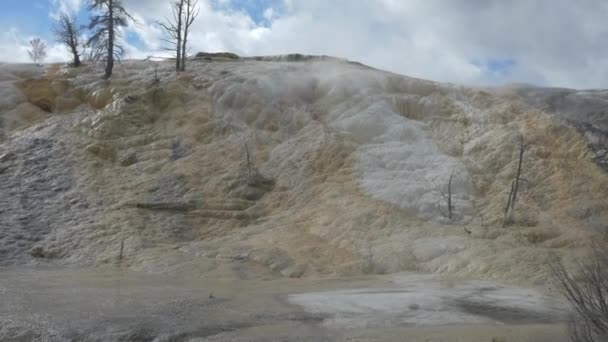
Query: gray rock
{"x": 7, "y": 156}
{"x": 128, "y": 159}
{"x": 178, "y": 150}
{"x": 295, "y": 271}
{"x": 38, "y": 252}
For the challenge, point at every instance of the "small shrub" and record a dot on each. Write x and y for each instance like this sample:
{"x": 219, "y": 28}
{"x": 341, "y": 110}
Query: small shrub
{"x": 587, "y": 293}
{"x": 38, "y": 51}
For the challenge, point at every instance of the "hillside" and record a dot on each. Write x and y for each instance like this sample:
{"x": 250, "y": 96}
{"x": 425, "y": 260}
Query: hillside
{"x": 345, "y": 164}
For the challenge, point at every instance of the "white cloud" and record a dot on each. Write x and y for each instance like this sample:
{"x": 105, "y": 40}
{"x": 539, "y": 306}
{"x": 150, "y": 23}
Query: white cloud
{"x": 269, "y": 13}
{"x": 554, "y": 42}
{"x": 14, "y": 45}
{"x": 64, "y": 6}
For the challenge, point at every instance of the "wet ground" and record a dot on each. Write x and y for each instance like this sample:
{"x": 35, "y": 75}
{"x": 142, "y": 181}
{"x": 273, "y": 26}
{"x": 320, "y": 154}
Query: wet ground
{"x": 115, "y": 305}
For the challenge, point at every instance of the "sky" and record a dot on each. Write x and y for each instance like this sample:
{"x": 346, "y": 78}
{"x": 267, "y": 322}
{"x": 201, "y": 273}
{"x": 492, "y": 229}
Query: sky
{"x": 561, "y": 43}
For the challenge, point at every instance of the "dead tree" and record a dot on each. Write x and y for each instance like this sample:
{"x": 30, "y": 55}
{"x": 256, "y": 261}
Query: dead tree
{"x": 122, "y": 248}
{"x": 68, "y": 32}
{"x": 192, "y": 12}
{"x": 111, "y": 15}
{"x": 38, "y": 51}
{"x": 446, "y": 197}
{"x": 173, "y": 28}
{"x": 177, "y": 29}
{"x": 247, "y": 167}
{"x": 156, "y": 77}
{"x": 510, "y": 208}
{"x": 587, "y": 293}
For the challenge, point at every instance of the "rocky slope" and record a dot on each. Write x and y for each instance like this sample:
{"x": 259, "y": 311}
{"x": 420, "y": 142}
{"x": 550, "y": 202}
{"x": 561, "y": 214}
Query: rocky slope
{"x": 583, "y": 109}
{"x": 295, "y": 166}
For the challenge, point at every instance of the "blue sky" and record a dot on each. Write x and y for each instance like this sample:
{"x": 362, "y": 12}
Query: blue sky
{"x": 22, "y": 14}
{"x": 496, "y": 68}
{"x": 38, "y": 18}
{"x": 544, "y": 42}
{"x": 255, "y": 9}
{"x": 33, "y": 19}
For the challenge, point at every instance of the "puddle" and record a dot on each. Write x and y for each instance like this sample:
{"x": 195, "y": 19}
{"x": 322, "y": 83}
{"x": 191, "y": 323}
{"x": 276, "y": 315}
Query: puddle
{"x": 427, "y": 300}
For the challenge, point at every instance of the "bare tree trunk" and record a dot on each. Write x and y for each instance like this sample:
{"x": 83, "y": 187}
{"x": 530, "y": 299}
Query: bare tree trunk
{"x": 184, "y": 52}
{"x": 185, "y": 41}
{"x": 110, "y": 61}
{"x": 74, "y": 48}
{"x": 178, "y": 60}
{"x": 508, "y": 207}
{"x": 122, "y": 248}
{"x": 74, "y": 45}
{"x": 449, "y": 199}
{"x": 191, "y": 14}
{"x": 248, "y": 160}
{"x": 77, "y": 61}
{"x": 522, "y": 150}
{"x": 515, "y": 185}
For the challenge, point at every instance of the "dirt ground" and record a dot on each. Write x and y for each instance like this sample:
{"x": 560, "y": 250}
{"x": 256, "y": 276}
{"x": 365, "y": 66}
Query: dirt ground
{"x": 115, "y": 305}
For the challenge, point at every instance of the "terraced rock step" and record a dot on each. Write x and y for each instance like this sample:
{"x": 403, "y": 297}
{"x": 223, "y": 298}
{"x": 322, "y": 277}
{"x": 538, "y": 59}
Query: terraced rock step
{"x": 233, "y": 204}
{"x": 168, "y": 206}
{"x": 222, "y": 214}
{"x": 215, "y": 209}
